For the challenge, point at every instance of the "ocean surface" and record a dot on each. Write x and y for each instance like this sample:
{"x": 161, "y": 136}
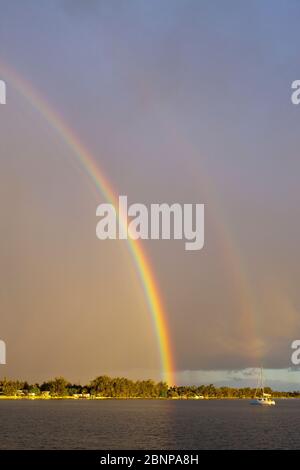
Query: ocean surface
{"x": 148, "y": 424}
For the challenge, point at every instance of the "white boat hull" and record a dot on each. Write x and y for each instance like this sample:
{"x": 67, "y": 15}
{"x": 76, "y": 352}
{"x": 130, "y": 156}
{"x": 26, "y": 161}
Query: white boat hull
{"x": 263, "y": 402}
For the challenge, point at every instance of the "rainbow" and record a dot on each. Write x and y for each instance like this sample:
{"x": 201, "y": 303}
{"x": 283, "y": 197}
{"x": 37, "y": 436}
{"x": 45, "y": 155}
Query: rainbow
{"x": 91, "y": 168}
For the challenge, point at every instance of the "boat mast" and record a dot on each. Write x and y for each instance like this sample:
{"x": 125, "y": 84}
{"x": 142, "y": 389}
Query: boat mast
{"x": 261, "y": 380}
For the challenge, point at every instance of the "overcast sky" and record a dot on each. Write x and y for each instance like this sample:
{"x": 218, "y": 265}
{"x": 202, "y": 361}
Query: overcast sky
{"x": 179, "y": 101}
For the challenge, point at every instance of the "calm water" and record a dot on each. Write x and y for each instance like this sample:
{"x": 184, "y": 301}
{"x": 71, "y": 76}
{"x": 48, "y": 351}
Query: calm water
{"x": 146, "y": 424}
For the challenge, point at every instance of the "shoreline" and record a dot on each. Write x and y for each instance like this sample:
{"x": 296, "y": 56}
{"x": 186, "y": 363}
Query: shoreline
{"x": 138, "y": 398}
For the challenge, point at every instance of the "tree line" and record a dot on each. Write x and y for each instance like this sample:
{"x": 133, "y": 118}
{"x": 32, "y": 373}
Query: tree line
{"x": 121, "y": 387}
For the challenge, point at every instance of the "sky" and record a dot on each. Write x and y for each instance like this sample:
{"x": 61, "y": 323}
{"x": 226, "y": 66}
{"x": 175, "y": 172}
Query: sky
{"x": 185, "y": 102}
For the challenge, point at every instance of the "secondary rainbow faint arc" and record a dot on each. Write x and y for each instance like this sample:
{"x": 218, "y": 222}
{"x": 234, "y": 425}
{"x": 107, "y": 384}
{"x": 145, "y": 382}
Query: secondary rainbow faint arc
{"x": 141, "y": 260}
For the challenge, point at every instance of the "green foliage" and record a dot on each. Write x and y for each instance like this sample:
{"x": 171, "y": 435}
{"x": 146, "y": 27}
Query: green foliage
{"x": 34, "y": 389}
{"x": 56, "y": 387}
{"x": 10, "y": 387}
{"x": 121, "y": 387}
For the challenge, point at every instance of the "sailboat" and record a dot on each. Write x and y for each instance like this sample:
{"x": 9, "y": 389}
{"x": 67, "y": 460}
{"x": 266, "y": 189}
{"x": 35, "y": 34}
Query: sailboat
{"x": 261, "y": 398}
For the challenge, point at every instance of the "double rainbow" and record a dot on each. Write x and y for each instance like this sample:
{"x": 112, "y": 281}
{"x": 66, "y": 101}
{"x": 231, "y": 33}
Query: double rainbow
{"x": 86, "y": 160}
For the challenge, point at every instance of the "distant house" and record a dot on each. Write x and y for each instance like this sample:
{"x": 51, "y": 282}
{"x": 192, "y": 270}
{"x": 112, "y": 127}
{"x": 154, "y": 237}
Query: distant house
{"x": 81, "y": 395}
